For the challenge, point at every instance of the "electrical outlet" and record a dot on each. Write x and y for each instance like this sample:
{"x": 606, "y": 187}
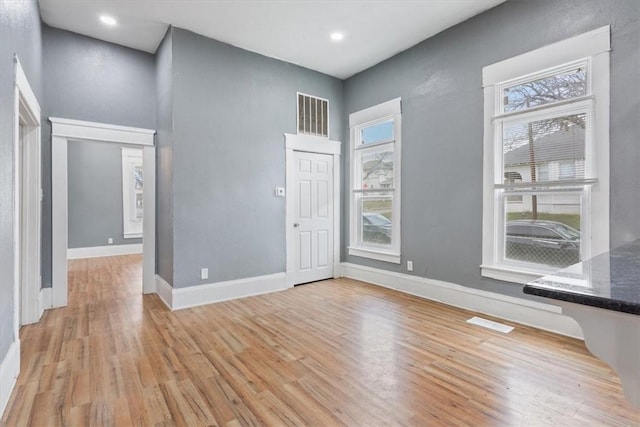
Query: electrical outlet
{"x": 110, "y": 241}
{"x": 204, "y": 273}
{"x": 410, "y": 265}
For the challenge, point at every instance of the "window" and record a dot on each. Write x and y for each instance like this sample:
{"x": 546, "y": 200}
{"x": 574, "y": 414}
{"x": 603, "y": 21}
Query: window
{"x": 543, "y": 172}
{"x": 546, "y": 163}
{"x": 567, "y": 170}
{"x": 132, "y": 193}
{"x": 511, "y": 177}
{"x": 375, "y": 182}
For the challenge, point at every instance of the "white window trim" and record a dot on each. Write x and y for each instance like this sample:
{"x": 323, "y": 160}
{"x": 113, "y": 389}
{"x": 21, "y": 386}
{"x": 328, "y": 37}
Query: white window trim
{"x": 378, "y": 113}
{"x": 595, "y": 47}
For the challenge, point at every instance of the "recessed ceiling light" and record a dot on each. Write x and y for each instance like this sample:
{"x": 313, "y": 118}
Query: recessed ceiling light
{"x": 108, "y": 20}
{"x": 337, "y": 36}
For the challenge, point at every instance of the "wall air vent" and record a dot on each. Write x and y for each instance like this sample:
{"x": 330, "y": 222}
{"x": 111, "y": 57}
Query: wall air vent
{"x": 313, "y": 115}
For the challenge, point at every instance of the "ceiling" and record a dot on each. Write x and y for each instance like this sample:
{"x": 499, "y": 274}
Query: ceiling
{"x": 293, "y": 31}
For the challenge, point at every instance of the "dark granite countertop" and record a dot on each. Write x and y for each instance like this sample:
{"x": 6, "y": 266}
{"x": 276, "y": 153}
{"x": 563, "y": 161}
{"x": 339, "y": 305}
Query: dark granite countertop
{"x": 610, "y": 281}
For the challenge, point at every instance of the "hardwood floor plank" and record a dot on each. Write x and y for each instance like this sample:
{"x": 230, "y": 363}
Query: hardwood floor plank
{"x": 332, "y": 353}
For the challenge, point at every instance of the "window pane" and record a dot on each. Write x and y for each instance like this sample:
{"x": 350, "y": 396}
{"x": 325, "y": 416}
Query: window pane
{"x": 545, "y": 145}
{"x": 566, "y": 85}
{"x": 512, "y": 178}
{"x": 543, "y": 171}
{"x": 544, "y": 229}
{"x": 377, "y": 133}
{"x": 567, "y": 170}
{"x": 377, "y": 169}
{"x": 376, "y": 220}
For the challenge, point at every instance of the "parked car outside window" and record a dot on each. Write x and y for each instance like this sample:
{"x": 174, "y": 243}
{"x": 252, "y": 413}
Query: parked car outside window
{"x": 542, "y": 242}
{"x": 376, "y": 228}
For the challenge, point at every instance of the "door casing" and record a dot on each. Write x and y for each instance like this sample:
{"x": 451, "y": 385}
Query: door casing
{"x": 310, "y": 144}
{"x": 27, "y": 202}
{"x": 63, "y": 130}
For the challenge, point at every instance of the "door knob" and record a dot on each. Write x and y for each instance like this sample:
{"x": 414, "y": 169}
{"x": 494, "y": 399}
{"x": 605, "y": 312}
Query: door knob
{"x": 296, "y": 225}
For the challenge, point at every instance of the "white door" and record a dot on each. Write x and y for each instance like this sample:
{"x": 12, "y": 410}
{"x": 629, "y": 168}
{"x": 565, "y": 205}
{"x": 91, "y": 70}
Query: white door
{"x": 313, "y": 217}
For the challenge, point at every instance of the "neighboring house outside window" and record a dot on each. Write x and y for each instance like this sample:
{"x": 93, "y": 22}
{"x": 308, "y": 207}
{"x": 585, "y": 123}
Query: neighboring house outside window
{"x": 512, "y": 177}
{"x": 375, "y": 182}
{"x": 567, "y": 170}
{"x": 543, "y": 172}
{"x": 546, "y": 158}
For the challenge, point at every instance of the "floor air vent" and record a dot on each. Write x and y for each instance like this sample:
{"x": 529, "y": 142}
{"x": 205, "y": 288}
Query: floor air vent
{"x": 479, "y": 321}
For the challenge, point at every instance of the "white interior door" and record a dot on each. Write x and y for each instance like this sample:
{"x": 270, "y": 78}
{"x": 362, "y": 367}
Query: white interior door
{"x": 313, "y": 217}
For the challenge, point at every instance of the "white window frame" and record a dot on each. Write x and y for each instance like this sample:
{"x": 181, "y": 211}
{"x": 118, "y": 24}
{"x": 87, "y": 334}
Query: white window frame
{"x": 387, "y": 111}
{"x": 591, "y": 49}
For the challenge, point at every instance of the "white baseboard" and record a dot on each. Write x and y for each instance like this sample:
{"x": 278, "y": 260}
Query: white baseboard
{"x": 100, "y": 251}
{"x": 9, "y": 370}
{"x": 542, "y": 316}
{"x": 193, "y": 296}
{"x": 164, "y": 291}
{"x": 45, "y": 301}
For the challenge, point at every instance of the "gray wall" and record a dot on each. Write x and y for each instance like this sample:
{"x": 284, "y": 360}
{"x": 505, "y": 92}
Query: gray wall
{"x": 95, "y": 194}
{"x": 19, "y": 33}
{"x": 230, "y": 110}
{"x": 88, "y": 79}
{"x": 164, "y": 164}
{"x": 439, "y": 81}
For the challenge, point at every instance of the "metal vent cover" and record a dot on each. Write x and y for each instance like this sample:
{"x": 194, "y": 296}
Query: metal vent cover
{"x": 313, "y": 115}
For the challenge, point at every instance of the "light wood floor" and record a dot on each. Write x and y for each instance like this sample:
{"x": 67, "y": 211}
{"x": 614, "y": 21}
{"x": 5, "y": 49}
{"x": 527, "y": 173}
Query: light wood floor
{"x": 338, "y": 352}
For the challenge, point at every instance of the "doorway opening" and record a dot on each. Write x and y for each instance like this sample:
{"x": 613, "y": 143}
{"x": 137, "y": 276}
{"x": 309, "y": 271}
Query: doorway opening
{"x": 66, "y": 133}
{"x": 105, "y": 213}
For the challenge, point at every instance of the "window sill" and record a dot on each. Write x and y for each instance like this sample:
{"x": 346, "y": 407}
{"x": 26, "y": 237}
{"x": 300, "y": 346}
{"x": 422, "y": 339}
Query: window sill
{"x": 509, "y": 274}
{"x": 374, "y": 254}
